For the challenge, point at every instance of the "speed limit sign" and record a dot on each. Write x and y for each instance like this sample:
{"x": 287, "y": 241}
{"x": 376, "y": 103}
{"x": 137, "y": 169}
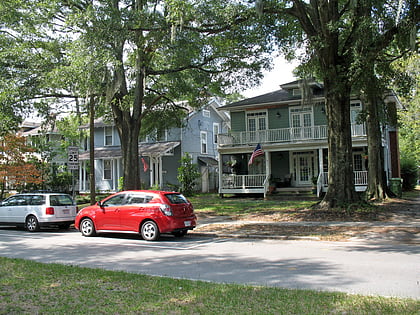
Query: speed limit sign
{"x": 73, "y": 158}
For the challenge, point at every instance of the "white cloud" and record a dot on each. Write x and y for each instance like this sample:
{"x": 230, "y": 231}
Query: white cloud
{"x": 281, "y": 74}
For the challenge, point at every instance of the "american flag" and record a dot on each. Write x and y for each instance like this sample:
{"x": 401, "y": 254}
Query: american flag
{"x": 257, "y": 152}
{"x": 145, "y": 165}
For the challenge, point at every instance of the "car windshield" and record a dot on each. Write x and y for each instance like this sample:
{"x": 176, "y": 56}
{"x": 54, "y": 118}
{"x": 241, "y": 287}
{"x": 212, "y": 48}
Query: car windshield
{"x": 176, "y": 198}
{"x": 61, "y": 200}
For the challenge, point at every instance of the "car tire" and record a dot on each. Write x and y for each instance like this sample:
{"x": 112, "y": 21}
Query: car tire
{"x": 32, "y": 224}
{"x": 180, "y": 233}
{"x": 149, "y": 231}
{"x": 87, "y": 228}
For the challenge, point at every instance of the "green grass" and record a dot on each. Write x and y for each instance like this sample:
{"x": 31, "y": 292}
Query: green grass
{"x": 28, "y": 287}
{"x": 243, "y": 205}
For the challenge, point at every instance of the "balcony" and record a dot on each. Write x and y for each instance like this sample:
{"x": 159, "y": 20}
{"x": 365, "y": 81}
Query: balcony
{"x": 282, "y": 135}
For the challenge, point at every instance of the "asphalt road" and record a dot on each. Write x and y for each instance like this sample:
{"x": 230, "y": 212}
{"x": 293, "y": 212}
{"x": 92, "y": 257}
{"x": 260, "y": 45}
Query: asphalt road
{"x": 351, "y": 267}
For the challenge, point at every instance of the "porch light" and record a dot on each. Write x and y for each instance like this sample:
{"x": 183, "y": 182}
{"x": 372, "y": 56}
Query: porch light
{"x": 323, "y": 110}
{"x": 278, "y": 115}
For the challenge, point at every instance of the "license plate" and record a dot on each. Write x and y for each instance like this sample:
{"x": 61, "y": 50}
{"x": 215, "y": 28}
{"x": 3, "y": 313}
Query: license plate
{"x": 187, "y": 223}
{"x": 66, "y": 211}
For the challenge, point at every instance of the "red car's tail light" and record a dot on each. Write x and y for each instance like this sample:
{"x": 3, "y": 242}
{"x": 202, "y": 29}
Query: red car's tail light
{"x": 49, "y": 211}
{"x": 166, "y": 210}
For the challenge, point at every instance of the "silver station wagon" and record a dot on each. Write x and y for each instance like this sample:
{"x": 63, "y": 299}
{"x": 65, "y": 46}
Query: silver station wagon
{"x": 36, "y": 210}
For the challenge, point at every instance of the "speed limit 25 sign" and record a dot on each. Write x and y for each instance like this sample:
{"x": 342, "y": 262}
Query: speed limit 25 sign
{"x": 73, "y": 158}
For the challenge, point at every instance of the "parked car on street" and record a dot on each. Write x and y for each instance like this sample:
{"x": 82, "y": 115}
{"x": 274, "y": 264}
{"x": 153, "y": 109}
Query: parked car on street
{"x": 147, "y": 212}
{"x": 36, "y": 210}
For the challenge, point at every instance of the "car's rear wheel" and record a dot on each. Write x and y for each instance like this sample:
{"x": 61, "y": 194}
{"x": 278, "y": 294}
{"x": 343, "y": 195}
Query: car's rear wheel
{"x": 87, "y": 228}
{"x": 180, "y": 233}
{"x": 32, "y": 224}
{"x": 149, "y": 231}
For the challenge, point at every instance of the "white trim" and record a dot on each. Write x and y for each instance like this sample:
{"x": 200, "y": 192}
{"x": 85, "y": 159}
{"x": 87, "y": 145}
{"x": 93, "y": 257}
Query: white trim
{"x": 204, "y": 133}
{"x": 108, "y": 135}
{"x": 214, "y": 133}
{"x": 111, "y": 169}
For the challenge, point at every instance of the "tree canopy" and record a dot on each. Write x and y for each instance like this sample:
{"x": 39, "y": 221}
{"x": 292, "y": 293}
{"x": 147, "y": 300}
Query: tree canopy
{"x": 137, "y": 57}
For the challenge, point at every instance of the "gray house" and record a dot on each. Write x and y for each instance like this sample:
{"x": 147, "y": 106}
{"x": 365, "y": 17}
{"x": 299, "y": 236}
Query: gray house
{"x": 159, "y": 159}
{"x": 292, "y": 133}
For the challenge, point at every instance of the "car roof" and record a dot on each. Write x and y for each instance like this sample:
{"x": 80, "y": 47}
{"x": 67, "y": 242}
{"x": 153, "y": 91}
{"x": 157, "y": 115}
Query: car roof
{"x": 159, "y": 192}
{"x": 38, "y": 193}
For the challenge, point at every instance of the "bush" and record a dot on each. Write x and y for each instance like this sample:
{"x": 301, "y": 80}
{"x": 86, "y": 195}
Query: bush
{"x": 187, "y": 175}
{"x": 409, "y": 173}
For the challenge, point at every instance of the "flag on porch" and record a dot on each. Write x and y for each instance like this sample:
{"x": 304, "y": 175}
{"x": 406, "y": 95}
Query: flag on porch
{"x": 257, "y": 152}
{"x": 145, "y": 165}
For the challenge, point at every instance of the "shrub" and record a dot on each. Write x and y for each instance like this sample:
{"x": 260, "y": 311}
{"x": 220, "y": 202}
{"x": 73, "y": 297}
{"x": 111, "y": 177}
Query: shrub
{"x": 409, "y": 173}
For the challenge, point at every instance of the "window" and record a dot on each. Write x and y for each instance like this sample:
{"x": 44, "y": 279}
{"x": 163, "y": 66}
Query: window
{"x": 136, "y": 199}
{"x": 108, "y": 135}
{"x": 257, "y": 121}
{"x": 107, "y": 169}
{"x": 115, "y": 200}
{"x": 176, "y": 198}
{"x": 216, "y": 130}
{"x": 203, "y": 137}
{"x": 206, "y": 113}
{"x": 357, "y": 162}
{"x": 355, "y": 109}
{"x": 297, "y": 92}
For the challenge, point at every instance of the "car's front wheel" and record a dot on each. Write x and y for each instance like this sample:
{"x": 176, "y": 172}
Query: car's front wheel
{"x": 149, "y": 231}
{"x": 32, "y": 224}
{"x": 87, "y": 228}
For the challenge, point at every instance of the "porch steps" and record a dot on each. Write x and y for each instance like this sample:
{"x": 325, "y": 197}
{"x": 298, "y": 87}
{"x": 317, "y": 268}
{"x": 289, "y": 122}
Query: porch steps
{"x": 293, "y": 193}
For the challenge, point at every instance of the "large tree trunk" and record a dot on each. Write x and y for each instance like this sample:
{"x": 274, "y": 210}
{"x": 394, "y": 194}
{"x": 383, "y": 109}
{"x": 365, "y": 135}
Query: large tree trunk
{"x": 340, "y": 160}
{"x": 376, "y": 182}
{"x": 127, "y": 115}
{"x": 129, "y": 129}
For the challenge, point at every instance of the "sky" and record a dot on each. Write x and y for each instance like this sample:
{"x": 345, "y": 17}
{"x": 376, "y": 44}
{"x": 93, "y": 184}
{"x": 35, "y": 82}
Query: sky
{"x": 281, "y": 74}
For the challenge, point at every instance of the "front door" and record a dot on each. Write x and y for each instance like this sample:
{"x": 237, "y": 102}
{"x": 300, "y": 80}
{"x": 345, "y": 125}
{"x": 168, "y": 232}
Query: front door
{"x": 304, "y": 167}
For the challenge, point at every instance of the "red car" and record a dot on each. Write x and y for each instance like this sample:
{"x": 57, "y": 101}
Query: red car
{"x": 147, "y": 212}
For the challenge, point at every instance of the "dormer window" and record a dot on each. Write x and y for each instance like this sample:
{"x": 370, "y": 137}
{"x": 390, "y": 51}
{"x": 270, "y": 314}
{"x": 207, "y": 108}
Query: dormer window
{"x": 108, "y": 132}
{"x": 297, "y": 92}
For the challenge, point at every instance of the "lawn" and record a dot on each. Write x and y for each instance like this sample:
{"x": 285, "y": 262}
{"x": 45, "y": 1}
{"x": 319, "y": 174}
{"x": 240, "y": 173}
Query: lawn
{"x": 28, "y": 287}
{"x": 213, "y": 204}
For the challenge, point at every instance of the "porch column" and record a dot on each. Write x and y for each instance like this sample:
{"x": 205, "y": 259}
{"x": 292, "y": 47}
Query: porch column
{"x": 152, "y": 172}
{"x": 320, "y": 160}
{"x": 160, "y": 172}
{"x": 118, "y": 171}
{"x": 220, "y": 172}
{"x": 81, "y": 171}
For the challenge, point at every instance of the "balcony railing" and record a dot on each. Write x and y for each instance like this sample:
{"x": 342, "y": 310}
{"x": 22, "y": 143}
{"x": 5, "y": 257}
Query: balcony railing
{"x": 282, "y": 135}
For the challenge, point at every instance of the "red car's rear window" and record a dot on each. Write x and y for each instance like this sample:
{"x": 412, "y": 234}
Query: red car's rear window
{"x": 176, "y": 198}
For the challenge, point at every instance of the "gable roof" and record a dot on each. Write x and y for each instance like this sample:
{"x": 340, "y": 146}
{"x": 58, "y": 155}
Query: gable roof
{"x": 265, "y": 99}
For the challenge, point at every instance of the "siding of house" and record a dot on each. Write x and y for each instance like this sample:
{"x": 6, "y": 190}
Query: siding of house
{"x": 238, "y": 121}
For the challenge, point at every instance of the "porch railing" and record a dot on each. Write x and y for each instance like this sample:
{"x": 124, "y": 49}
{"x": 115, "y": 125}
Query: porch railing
{"x": 360, "y": 178}
{"x": 234, "y": 181}
{"x": 282, "y": 135}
